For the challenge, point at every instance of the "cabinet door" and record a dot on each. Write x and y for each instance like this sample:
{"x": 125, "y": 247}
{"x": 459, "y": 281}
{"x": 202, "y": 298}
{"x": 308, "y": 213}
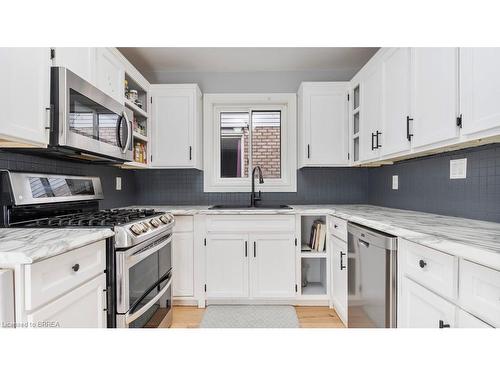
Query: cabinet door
{"x": 227, "y": 266}
{"x": 422, "y": 308}
{"x": 339, "y": 276}
{"x": 395, "y": 100}
{"x": 479, "y": 89}
{"x": 325, "y": 124}
{"x": 435, "y": 95}
{"x": 183, "y": 265}
{"x": 173, "y": 127}
{"x": 83, "y": 307}
{"x": 110, "y": 74}
{"x": 466, "y": 320}
{"x": 25, "y": 94}
{"x": 272, "y": 266}
{"x": 371, "y": 113}
{"x": 80, "y": 60}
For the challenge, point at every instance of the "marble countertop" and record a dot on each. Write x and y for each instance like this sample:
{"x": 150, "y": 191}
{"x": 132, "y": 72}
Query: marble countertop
{"x": 472, "y": 239}
{"x": 29, "y": 245}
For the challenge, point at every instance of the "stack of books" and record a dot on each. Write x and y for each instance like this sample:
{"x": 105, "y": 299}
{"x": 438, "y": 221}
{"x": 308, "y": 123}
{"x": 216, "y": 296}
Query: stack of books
{"x": 317, "y": 241}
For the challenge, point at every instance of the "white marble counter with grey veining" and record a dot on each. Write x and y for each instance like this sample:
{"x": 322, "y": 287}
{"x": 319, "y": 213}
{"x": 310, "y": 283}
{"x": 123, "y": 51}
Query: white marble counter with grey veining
{"x": 29, "y": 245}
{"x": 472, "y": 239}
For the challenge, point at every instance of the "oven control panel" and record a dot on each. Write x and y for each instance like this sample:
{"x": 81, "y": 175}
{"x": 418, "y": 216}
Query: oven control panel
{"x": 149, "y": 225}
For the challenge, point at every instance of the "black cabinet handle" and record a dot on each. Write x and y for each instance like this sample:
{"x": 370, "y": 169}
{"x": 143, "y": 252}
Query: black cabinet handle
{"x": 442, "y": 325}
{"x": 408, "y": 134}
{"x": 373, "y": 145}
{"x": 254, "y": 249}
{"x": 308, "y": 151}
{"x": 246, "y": 249}
{"x": 422, "y": 263}
{"x": 76, "y": 267}
{"x": 378, "y": 143}
{"x": 190, "y": 153}
{"x": 342, "y": 266}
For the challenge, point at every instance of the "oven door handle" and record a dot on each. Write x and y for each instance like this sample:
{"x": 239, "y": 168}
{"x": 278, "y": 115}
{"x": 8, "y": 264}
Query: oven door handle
{"x": 142, "y": 254}
{"x": 130, "y": 317}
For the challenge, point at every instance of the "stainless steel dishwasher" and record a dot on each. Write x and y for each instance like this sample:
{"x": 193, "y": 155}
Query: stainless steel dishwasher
{"x": 372, "y": 278}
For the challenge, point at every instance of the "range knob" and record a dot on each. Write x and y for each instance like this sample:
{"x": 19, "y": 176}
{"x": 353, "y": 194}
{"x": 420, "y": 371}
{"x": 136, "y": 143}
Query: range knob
{"x": 165, "y": 219}
{"x": 154, "y": 222}
{"x": 136, "y": 229}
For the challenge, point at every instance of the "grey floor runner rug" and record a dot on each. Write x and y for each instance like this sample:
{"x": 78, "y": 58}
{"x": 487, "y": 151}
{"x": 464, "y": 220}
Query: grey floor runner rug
{"x": 251, "y": 316}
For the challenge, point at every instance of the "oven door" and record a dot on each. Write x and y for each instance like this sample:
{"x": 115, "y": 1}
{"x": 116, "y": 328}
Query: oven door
{"x": 144, "y": 278}
{"x": 87, "y": 119}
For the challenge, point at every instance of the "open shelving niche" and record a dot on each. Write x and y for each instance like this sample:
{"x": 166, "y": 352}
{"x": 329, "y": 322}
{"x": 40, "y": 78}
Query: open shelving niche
{"x": 313, "y": 264}
{"x": 141, "y": 116}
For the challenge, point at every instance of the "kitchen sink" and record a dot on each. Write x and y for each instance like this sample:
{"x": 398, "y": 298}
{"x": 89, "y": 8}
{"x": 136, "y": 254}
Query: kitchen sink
{"x": 248, "y": 207}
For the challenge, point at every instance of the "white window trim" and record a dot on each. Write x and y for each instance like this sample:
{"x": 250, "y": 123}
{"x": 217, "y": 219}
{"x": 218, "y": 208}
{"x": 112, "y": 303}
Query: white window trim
{"x": 212, "y": 104}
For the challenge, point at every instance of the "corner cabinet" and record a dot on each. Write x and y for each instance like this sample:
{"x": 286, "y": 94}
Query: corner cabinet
{"x": 177, "y": 126}
{"x": 323, "y": 124}
{"x": 25, "y": 96}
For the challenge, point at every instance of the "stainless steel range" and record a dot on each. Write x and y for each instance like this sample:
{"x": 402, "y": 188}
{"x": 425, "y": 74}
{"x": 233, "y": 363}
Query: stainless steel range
{"x": 139, "y": 257}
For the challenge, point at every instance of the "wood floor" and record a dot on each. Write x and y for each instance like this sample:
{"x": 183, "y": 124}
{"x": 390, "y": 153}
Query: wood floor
{"x": 309, "y": 317}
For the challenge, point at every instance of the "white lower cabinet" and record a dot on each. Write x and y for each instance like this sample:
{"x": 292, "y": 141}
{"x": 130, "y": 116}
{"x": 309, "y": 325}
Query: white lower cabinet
{"x": 243, "y": 265}
{"x": 183, "y": 264}
{"x": 272, "y": 266}
{"x": 83, "y": 307}
{"x": 227, "y": 266}
{"x": 422, "y": 308}
{"x": 339, "y": 276}
{"x": 466, "y": 320}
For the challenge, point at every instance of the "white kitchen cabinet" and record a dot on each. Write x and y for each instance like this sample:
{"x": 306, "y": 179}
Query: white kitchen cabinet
{"x": 466, "y": 320}
{"x": 177, "y": 126}
{"x": 434, "y": 95}
{"x": 323, "y": 124}
{"x": 183, "y": 264}
{"x": 395, "y": 67}
{"x": 80, "y": 60}
{"x": 371, "y": 113}
{"x": 83, "y": 307}
{"x": 272, "y": 265}
{"x": 339, "y": 276}
{"x": 227, "y": 266}
{"x": 110, "y": 74}
{"x": 422, "y": 308}
{"x": 25, "y": 96}
{"x": 480, "y": 90}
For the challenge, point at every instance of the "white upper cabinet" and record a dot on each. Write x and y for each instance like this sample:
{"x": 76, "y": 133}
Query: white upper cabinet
{"x": 110, "y": 74}
{"x": 435, "y": 95}
{"x": 480, "y": 90}
{"x": 371, "y": 113}
{"x": 323, "y": 124}
{"x": 25, "y": 95}
{"x": 395, "y": 101}
{"x": 80, "y": 60}
{"x": 177, "y": 126}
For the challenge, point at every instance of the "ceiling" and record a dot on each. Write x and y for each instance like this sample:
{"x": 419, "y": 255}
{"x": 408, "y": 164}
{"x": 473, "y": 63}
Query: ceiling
{"x": 239, "y": 59}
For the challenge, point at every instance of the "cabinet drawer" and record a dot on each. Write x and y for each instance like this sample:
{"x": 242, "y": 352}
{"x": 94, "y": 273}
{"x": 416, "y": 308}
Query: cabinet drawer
{"x": 466, "y": 320}
{"x": 55, "y": 276}
{"x": 480, "y": 291}
{"x": 338, "y": 227}
{"x": 251, "y": 223}
{"x": 183, "y": 224}
{"x": 434, "y": 269}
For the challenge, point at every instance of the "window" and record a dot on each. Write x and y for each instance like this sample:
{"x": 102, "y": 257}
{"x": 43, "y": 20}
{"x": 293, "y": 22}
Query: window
{"x": 244, "y": 131}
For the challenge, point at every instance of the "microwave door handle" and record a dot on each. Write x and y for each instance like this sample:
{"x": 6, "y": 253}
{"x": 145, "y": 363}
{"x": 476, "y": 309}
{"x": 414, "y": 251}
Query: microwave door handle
{"x": 119, "y": 132}
{"x": 129, "y": 133}
{"x": 129, "y": 318}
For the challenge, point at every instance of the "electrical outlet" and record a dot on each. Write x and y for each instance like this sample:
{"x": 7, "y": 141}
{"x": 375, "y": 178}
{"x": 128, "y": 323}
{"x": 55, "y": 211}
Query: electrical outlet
{"x": 458, "y": 169}
{"x": 118, "y": 183}
{"x": 395, "y": 182}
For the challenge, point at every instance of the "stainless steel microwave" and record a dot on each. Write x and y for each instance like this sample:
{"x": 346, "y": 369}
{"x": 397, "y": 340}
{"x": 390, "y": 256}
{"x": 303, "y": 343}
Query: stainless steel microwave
{"x": 87, "y": 122}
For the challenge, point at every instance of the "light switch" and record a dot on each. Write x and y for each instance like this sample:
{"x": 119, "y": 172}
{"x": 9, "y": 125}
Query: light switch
{"x": 118, "y": 183}
{"x": 395, "y": 182}
{"x": 458, "y": 169}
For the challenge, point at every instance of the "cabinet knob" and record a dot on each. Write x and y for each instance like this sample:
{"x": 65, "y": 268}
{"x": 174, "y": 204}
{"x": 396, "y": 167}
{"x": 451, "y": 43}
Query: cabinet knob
{"x": 442, "y": 325}
{"x": 422, "y": 263}
{"x": 76, "y": 267}
{"x": 335, "y": 226}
